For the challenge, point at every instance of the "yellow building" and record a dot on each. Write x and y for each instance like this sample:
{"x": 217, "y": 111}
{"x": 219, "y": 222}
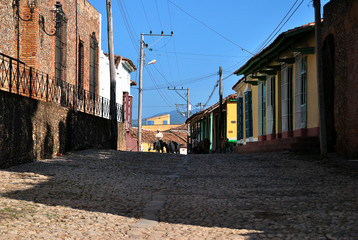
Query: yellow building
{"x": 277, "y": 97}
{"x": 161, "y": 122}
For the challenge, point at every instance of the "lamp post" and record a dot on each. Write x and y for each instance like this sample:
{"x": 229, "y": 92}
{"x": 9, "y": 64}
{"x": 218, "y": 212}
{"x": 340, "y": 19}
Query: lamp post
{"x": 59, "y": 16}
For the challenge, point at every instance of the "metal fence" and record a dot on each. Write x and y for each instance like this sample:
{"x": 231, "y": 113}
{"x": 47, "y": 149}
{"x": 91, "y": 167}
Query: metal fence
{"x": 16, "y": 77}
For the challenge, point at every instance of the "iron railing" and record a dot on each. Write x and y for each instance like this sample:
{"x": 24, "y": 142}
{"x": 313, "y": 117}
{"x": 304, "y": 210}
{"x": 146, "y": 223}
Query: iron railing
{"x": 16, "y": 77}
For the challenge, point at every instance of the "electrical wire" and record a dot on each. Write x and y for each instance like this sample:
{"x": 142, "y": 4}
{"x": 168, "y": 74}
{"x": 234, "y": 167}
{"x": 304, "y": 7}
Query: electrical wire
{"x": 175, "y": 50}
{"x": 128, "y": 24}
{"x": 210, "y": 28}
{"x": 266, "y": 42}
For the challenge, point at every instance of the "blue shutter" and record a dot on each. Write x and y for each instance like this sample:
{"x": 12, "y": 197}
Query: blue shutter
{"x": 240, "y": 119}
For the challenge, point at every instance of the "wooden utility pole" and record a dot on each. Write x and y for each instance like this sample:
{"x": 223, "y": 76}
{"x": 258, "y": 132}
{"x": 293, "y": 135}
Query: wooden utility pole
{"x": 140, "y": 95}
{"x": 321, "y": 100}
{"x": 221, "y": 120}
{"x": 187, "y": 110}
{"x": 187, "y": 117}
{"x": 112, "y": 70}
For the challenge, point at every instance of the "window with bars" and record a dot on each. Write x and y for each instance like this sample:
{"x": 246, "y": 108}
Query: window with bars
{"x": 81, "y": 61}
{"x": 301, "y": 92}
{"x": 286, "y": 96}
{"x": 93, "y": 65}
{"x": 262, "y": 107}
{"x": 60, "y": 52}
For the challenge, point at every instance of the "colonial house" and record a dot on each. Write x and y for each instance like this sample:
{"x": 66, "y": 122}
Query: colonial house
{"x": 52, "y": 48}
{"x": 205, "y": 125}
{"x": 277, "y": 102}
{"x": 124, "y": 68}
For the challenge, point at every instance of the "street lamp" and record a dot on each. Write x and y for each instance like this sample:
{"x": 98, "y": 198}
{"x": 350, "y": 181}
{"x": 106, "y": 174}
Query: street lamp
{"x": 16, "y": 6}
{"x": 59, "y": 16}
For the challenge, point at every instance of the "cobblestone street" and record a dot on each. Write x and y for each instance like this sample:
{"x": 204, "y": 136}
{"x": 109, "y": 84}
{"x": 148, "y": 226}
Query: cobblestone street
{"x": 102, "y": 194}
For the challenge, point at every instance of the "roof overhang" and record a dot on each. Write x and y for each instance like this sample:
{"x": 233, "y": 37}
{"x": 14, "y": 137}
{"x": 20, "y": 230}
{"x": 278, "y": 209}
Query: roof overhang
{"x": 285, "y": 42}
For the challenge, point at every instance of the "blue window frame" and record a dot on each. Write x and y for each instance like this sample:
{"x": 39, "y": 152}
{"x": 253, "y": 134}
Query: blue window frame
{"x": 150, "y": 122}
{"x": 240, "y": 118}
{"x": 165, "y": 122}
{"x": 248, "y": 114}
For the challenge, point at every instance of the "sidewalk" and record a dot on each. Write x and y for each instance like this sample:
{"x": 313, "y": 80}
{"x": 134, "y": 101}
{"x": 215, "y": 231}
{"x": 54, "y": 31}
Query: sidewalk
{"x": 102, "y": 194}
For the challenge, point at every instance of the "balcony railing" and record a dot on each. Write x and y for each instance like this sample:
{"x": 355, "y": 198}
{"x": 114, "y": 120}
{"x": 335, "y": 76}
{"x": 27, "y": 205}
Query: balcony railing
{"x": 16, "y": 77}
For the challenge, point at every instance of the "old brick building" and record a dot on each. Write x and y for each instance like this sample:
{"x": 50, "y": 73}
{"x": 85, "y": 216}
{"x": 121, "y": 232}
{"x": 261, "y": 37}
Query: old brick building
{"x": 340, "y": 72}
{"x": 70, "y": 53}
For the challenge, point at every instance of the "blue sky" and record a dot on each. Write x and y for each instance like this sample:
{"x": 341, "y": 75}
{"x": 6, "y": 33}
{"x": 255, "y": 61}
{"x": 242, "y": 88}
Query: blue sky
{"x": 207, "y": 34}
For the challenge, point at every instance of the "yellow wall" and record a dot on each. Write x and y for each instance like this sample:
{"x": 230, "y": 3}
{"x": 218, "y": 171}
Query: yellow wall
{"x": 159, "y": 119}
{"x": 146, "y": 146}
{"x": 312, "y": 89}
{"x": 231, "y": 123}
{"x": 255, "y": 112}
{"x": 161, "y": 127}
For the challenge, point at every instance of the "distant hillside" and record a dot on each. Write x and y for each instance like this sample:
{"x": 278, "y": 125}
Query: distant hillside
{"x": 175, "y": 118}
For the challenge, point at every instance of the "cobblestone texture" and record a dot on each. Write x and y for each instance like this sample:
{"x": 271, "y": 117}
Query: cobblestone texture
{"x": 117, "y": 195}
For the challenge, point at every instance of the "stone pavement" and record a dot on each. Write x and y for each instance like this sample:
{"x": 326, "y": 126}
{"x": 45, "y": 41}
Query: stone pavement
{"x": 100, "y": 194}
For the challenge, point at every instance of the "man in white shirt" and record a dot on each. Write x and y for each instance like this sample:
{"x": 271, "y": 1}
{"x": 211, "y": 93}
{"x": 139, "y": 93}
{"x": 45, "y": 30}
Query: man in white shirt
{"x": 159, "y": 135}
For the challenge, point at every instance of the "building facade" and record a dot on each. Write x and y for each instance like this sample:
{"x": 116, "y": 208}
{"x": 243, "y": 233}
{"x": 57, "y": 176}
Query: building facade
{"x": 58, "y": 38}
{"x": 161, "y": 122}
{"x": 205, "y": 125}
{"x": 277, "y": 97}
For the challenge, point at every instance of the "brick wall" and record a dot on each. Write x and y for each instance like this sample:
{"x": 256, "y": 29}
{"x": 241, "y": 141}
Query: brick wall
{"x": 38, "y": 49}
{"x": 31, "y": 130}
{"x": 340, "y": 26}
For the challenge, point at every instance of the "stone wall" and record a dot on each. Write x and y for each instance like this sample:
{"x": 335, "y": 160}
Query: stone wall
{"x": 340, "y": 71}
{"x": 31, "y": 130}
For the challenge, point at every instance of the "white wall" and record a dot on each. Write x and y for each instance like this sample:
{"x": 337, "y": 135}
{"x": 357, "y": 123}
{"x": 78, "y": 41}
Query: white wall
{"x": 123, "y": 78}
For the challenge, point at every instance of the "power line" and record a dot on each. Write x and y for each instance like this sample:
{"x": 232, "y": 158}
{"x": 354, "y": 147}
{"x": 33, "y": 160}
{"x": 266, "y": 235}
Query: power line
{"x": 200, "y": 54}
{"x": 207, "y": 26}
{"x": 266, "y": 42}
{"x": 175, "y": 50}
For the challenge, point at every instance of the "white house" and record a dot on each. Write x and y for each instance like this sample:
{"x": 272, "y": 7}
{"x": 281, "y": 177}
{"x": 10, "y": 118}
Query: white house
{"x": 124, "y": 68}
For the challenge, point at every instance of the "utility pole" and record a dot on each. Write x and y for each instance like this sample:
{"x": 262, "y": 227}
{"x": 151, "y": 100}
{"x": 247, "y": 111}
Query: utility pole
{"x": 220, "y": 134}
{"x": 113, "y": 105}
{"x": 140, "y": 93}
{"x": 188, "y": 115}
{"x": 321, "y": 100}
{"x": 187, "y": 111}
